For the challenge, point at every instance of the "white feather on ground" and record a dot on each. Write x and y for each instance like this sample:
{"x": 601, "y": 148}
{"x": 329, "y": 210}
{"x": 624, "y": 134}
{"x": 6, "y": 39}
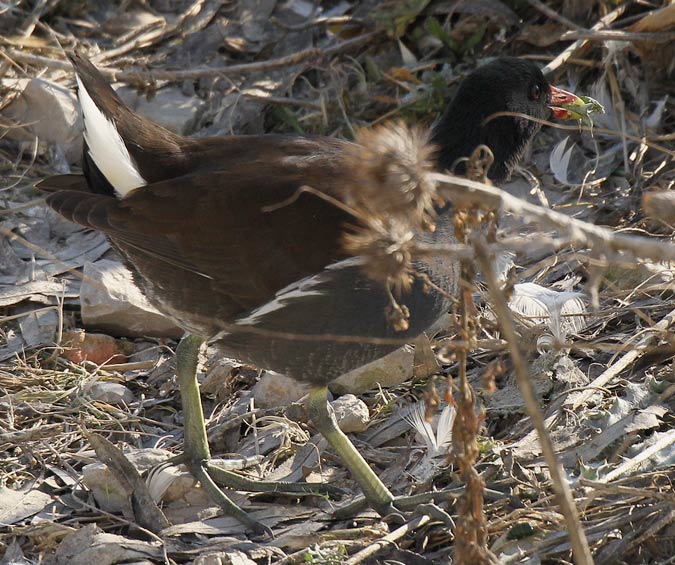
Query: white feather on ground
{"x": 436, "y": 444}
{"x": 564, "y": 313}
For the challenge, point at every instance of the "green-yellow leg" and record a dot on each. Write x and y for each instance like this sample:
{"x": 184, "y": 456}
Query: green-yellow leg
{"x": 376, "y": 493}
{"x": 196, "y": 446}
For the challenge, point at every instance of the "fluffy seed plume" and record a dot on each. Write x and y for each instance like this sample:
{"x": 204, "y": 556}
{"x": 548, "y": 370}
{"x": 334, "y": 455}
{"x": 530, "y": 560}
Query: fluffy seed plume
{"x": 393, "y": 197}
{"x": 386, "y": 245}
{"x": 389, "y": 168}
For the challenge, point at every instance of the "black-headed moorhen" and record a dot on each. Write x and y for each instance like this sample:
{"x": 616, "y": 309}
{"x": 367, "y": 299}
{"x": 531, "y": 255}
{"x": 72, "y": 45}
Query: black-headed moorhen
{"x": 199, "y": 223}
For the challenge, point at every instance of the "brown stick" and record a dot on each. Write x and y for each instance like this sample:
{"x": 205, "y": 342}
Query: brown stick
{"x": 388, "y": 540}
{"x": 465, "y": 193}
{"x": 580, "y": 549}
{"x": 579, "y": 44}
{"x": 193, "y": 74}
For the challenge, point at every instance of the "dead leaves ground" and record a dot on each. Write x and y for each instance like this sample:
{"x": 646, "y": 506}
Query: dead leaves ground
{"x": 607, "y": 394}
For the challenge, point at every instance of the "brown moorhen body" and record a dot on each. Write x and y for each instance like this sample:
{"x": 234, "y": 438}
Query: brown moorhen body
{"x": 199, "y": 223}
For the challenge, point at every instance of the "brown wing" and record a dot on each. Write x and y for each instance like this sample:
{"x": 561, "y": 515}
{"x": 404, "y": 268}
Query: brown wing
{"x": 213, "y": 226}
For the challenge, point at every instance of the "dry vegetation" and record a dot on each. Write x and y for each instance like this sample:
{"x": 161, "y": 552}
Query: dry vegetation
{"x": 593, "y": 341}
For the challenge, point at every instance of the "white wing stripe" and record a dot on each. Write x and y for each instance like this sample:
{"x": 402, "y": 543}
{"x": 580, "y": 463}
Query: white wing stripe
{"x": 296, "y": 290}
{"x": 107, "y": 148}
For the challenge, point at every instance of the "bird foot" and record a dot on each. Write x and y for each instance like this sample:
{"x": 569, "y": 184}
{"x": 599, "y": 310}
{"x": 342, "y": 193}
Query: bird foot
{"x": 227, "y": 478}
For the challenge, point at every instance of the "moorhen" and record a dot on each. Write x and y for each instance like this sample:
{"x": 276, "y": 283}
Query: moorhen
{"x": 199, "y": 222}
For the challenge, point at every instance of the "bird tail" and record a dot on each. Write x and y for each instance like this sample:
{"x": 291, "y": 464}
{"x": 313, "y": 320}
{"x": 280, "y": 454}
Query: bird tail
{"x": 58, "y": 183}
{"x": 120, "y": 145}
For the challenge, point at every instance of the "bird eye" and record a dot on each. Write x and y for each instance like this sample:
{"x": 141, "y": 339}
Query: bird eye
{"x": 535, "y": 92}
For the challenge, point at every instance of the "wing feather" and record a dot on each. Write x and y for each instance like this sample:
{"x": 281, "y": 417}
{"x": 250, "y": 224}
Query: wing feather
{"x": 214, "y": 224}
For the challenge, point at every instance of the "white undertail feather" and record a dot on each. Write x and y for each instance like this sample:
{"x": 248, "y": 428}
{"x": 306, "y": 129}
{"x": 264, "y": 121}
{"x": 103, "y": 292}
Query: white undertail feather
{"x": 107, "y": 148}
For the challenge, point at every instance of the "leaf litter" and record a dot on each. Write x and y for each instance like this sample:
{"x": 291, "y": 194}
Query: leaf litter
{"x": 606, "y": 380}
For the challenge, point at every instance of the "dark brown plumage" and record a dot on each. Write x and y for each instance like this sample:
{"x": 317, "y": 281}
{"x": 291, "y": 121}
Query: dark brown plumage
{"x": 207, "y": 253}
{"x": 211, "y": 246}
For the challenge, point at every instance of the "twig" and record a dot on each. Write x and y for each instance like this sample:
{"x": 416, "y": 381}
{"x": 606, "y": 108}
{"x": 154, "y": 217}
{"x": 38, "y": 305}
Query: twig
{"x": 581, "y": 551}
{"x": 661, "y": 523}
{"x": 552, "y": 14}
{"x": 618, "y": 35}
{"x": 283, "y": 101}
{"x": 387, "y": 540}
{"x": 122, "y": 367}
{"x": 635, "y": 353}
{"x": 153, "y": 33}
{"x": 200, "y": 12}
{"x": 579, "y": 32}
{"x": 630, "y": 491}
{"x": 667, "y": 439}
{"x": 28, "y": 26}
{"x": 574, "y": 49}
{"x": 24, "y": 206}
{"x": 578, "y": 128}
{"x": 30, "y": 59}
{"x": 327, "y": 20}
{"x": 465, "y": 193}
{"x": 193, "y": 74}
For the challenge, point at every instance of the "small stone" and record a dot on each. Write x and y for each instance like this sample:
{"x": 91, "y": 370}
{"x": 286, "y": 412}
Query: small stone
{"x": 388, "y": 371}
{"x": 351, "y": 413}
{"x": 111, "y": 393}
{"x": 113, "y": 303}
{"x": 46, "y": 111}
{"x": 169, "y": 107}
{"x": 227, "y": 557}
{"x": 274, "y": 389}
{"x": 110, "y": 495}
{"x": 218, "y": 373}
{"x": 101, "y": 349}
{"x": 88, "y": 544}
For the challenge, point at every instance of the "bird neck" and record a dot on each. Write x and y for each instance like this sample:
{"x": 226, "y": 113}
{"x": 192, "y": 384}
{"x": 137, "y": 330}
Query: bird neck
{"x": 457, "y": 135}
